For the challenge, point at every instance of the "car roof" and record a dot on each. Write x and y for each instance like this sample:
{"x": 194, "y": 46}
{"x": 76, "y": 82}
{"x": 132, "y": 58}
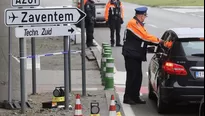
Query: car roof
{"x": 188, "y": 32}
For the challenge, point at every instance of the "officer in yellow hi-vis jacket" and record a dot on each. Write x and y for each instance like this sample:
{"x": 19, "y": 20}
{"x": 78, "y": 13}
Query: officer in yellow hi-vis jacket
{"x": 134, "y": 51}
{"x": 114, "y": 15}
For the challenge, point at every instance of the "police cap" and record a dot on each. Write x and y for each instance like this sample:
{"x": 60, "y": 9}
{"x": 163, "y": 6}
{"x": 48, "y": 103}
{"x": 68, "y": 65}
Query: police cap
{"x": 141, "y": 10}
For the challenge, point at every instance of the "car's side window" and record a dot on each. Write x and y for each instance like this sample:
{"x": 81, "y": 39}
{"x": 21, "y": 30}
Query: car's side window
{"x": 165, "y": 37}
{"x": 169, "y": 41}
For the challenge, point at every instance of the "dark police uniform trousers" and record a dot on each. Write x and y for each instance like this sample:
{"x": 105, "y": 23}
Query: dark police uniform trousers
{"x": 115, "y": 25}
{"x": 90, "y": 21}
{"x": 115, "y": 21}
{"x": 134, "y": 73}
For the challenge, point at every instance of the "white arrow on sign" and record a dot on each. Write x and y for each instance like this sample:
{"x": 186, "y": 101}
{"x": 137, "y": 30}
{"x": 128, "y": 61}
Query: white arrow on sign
{"x": 23, "y": 3}
{"x": 39, "y": 16}
{"x": 27, "y": 32}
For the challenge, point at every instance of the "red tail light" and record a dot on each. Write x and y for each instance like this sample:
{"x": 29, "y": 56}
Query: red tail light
{"x": 175, "y": 69}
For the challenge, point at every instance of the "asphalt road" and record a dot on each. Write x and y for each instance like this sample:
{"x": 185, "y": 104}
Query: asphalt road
{"x": 159, "y": 20}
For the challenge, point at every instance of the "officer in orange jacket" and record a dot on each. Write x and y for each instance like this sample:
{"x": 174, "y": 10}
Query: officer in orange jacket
{"x": 114, "y": 17}
{"x": 134, "y": 51}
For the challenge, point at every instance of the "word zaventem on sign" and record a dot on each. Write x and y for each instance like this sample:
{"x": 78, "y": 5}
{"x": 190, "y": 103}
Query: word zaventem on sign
{"x": 46, "y": 17}
{"x": 37, "y": 16}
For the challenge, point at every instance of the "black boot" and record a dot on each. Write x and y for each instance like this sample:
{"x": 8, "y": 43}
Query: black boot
{"x": 128, "y": 100}
{"x": 119, "y": 45}
{"x": 138, "y": 100}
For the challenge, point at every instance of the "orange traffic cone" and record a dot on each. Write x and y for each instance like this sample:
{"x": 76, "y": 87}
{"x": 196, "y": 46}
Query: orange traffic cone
{"x": 78, "y": 106}
{"x": 112, "y": 111}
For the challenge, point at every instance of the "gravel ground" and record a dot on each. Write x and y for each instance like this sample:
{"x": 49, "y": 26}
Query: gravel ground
{"x": 52, "y": 45}
{"x": 37, "y": 110}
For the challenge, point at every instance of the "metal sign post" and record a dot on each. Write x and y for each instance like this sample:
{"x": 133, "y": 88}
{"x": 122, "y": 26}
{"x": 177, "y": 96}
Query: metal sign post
{"x": 83, "y": 52}
{"x": 66, "y": 79}
{"x": 69, "y": 63}
{"x": 22, "y": 75}
{"x": 9, "y": 70}
{"x": 33, "y": 52}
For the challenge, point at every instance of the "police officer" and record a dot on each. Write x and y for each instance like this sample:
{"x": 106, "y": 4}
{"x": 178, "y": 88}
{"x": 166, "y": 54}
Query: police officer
{"x": 90, "y": 22}
{"x": 134, "y": 51}
{"x": 114, "y": 18}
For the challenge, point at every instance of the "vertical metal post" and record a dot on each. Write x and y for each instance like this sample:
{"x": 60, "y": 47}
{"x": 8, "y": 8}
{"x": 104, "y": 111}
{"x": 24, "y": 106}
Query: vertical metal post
{"x": 69, "y": 63}
{"x": 83, "y": 52}
{"x": 66, "y": 80}
{"x": 33, "y": 52}
{"x": 9, "y": 68}
{"x": 22, "y": 75}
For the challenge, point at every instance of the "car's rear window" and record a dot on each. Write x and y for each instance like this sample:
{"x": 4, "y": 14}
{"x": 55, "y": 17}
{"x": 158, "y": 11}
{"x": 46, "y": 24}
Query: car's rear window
{"x": 193, "y": 47}
{"x": 187, "y": 47}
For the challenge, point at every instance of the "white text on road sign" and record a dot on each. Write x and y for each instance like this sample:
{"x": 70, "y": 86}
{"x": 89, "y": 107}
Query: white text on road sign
{"x": 22, "y": 3}
{"x": 35, "y": 16}
{"x": 24, "y": 32}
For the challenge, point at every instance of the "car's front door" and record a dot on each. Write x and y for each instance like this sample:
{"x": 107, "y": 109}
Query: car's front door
{"x": 157, "y": 60}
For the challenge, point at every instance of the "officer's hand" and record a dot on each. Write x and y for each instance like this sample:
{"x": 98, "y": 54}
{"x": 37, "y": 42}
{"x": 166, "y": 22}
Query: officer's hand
{"x": 93, "y": 18}
{"x": 107, "y": 23}
{"x": 122, "y": 21}
{"x": 161, "y": 42}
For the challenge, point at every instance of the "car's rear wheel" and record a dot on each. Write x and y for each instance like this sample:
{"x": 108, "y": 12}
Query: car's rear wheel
{"x": 161, "y": 105}
{"x": 201, "y": 108}
{"x": 151, "y": 94}
{"x": 202, "y": 111}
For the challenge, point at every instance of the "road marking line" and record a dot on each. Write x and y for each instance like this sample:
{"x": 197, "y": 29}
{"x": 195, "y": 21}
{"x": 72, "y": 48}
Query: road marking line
{"x": 144, "y": 90}
{"x": 88, "y": 89}
{"x": 29, "y": 64}
{"x": 147, "y": 73}
{"x": 195, "y": 15}
{"x": 151, "y": 25}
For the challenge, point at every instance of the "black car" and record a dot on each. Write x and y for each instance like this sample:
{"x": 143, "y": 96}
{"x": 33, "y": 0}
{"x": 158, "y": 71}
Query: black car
{"x": 176, "y": 71}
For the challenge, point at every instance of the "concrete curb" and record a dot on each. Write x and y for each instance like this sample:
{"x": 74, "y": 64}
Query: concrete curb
{"x": 97, "y": 51}
{"x": 97, "y": 54}
{"x": 108, "y": 94}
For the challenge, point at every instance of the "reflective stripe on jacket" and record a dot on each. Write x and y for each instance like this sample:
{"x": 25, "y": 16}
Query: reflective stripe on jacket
{"x": 136, "y": 40}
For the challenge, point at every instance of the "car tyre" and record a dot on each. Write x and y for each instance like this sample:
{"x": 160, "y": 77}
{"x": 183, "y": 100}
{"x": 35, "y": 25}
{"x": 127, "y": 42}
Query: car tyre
{"x": 201, "y": 108}
{"x": 151, "y": 94}
{"x": 161, "y": 106}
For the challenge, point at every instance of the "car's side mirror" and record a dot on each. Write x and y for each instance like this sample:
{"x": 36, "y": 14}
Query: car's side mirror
{"x": 151, "y": 49}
